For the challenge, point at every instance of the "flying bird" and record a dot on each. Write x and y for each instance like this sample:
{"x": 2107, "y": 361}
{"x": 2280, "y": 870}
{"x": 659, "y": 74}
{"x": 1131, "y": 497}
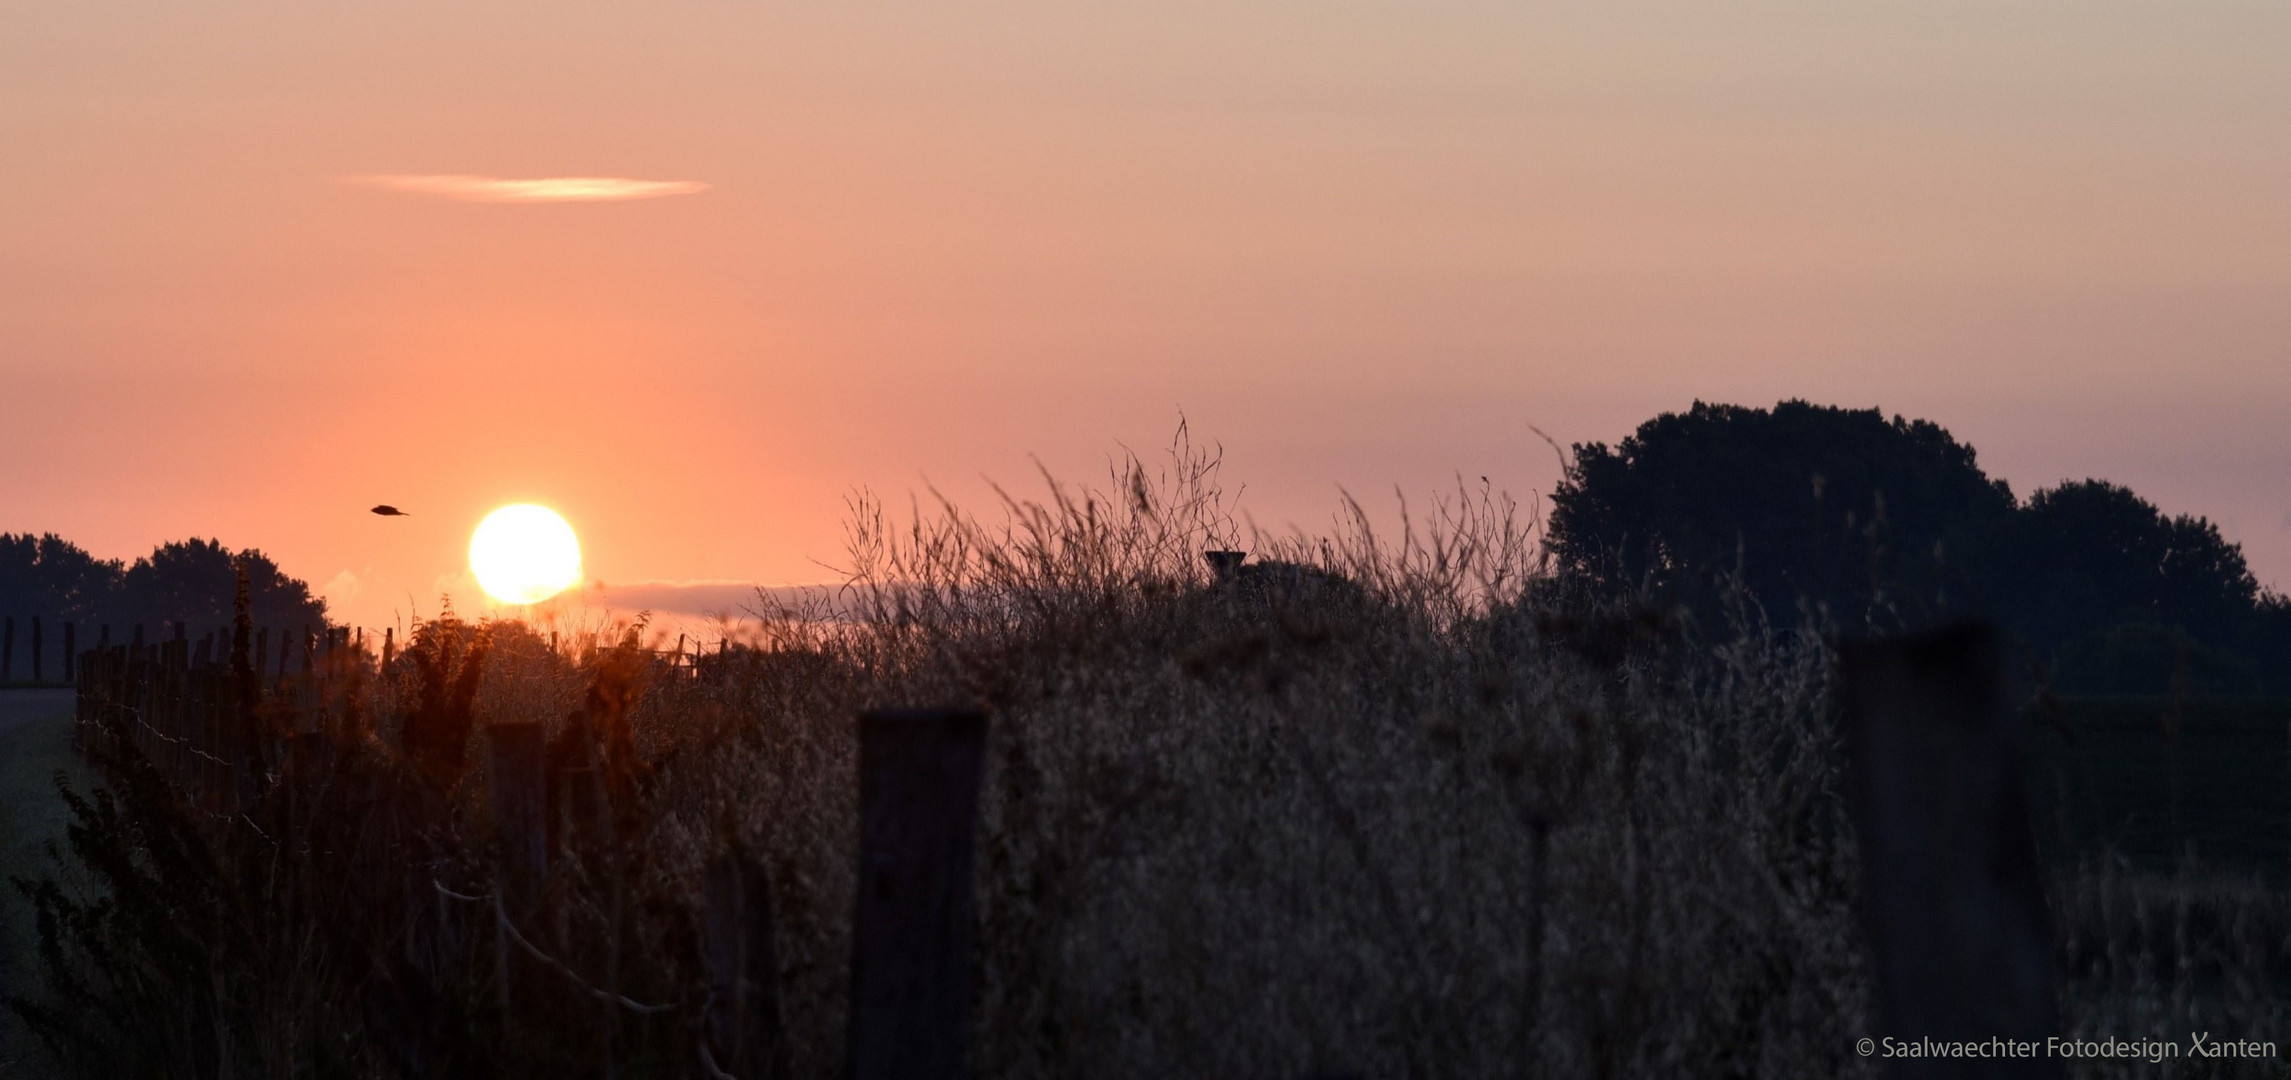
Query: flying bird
{"x": 386, "y": 510}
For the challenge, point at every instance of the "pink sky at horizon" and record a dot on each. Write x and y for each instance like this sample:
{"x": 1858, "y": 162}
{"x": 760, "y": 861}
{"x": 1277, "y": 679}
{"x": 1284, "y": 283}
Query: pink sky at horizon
{"x": 1362, "y": 246}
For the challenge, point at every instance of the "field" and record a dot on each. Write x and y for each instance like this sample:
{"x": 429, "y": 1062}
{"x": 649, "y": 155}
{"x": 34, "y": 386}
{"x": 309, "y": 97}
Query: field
{"x": 2118, "y": 777}
{"x": 1389, "y": 809}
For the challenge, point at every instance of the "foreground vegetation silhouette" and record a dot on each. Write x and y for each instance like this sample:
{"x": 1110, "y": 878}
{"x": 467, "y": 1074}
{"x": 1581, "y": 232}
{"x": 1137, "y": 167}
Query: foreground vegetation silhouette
{"x": 1453, "y": 817}
{"x": 1341, "y": 805}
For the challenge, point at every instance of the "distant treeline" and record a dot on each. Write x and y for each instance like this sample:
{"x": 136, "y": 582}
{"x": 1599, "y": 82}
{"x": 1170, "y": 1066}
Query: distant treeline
{"x": 1879, "y": 524}
{"x": 193, "y": 583}
{"x": 1890, "y": 523}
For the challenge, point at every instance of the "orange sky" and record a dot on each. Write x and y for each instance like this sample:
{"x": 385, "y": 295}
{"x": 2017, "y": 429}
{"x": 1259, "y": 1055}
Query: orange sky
{"x": 1361, "y": 245}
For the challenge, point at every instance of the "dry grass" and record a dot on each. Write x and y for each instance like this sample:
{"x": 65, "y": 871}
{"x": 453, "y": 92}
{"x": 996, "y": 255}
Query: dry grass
{"x": 1307, "y": 825}
{"x": 1394, "y": 807}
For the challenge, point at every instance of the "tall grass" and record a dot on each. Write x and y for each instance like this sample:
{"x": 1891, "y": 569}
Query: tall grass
{"x": 1394, "y": 806}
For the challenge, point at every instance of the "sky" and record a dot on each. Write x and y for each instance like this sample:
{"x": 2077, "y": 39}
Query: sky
{"x": 266, "y": 264}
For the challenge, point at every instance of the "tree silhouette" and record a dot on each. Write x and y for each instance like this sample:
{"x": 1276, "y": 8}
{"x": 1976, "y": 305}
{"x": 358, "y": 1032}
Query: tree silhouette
{"x": 1888, "y": 523}
{"x": 49, "y": 575}
{"x": 2096, "y": 555}
{"x": 192, "y": 582}
{"x": 1886, "y": 520}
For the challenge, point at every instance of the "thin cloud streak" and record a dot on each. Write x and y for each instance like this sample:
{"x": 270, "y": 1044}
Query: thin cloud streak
{"x": 694, "y": 597}
{"x": 551, "y": 189}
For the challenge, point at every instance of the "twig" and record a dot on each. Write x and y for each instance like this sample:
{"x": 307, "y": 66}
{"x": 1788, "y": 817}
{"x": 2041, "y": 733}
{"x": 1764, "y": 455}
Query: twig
{"x": 708, "y": 1062}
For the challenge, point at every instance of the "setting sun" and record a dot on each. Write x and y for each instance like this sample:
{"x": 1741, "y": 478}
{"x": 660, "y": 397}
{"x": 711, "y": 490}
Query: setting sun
{"x": 524, "y": 554}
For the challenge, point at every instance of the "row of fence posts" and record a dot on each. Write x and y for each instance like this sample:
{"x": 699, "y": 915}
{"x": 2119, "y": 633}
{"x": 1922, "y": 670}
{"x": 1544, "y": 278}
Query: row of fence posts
{"x": 919, "y": 781}
{"x": 189, "y": 712}
{"x": 213, "y": 646}
{"x": 920, "y": 772}
{"x": 38, "y": 672}
{"x": 686, "y": 659}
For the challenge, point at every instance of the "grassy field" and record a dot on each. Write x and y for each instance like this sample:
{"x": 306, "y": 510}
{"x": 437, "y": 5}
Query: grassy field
{"x": 2115, "y": 778}
{"x": 1377, "y": 809}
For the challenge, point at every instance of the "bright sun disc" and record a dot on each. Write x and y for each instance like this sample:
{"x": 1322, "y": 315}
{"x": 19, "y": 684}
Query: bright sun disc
{"x": 524, "y": 554}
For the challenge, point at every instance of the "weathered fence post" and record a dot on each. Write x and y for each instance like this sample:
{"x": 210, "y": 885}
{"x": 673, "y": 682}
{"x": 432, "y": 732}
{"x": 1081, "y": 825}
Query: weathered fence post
{"x": 8, "y": 649}
{"x": 515, "y": 784}
{"x": 310, "y": 773}
{"x": 71, "y": 652}
{"x": 744, "y": 1034}
{"x": 578, "y": 813}
{"x": 919, "y": 775}
{"x": 179, "y": 707}
{"x": 219, "y": 717}
{"x": 83, "y": 705}
{"x": 198, "y": 704}
{"x": 39, "y": 655}
{"x": 1953, "y": 898}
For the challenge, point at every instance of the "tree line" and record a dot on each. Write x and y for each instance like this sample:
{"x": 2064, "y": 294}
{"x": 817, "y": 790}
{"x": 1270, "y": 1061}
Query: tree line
{"x": 1878, "y": 523}
{"x": 191, "y": 583}
{"x": 1867, "y": 522}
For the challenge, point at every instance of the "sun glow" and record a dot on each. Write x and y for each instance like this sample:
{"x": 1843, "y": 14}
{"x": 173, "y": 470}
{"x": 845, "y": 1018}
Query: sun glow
{"x": 524, "y": 554}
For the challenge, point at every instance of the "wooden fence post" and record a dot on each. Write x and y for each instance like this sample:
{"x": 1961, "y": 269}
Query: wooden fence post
{"x": 223, "y": 723}
{"x": 919, "y": 776}
{"x": 39, "y": 658}
{"x": 8, "y": 649}
{"x": 71, "y": 652}
{"x": 744, "y": 1033}
{"x": 515, "y": 784}
{"x": 183, "y": 704}
{"x": 310, "y": 773}
{"x": 1953, "y": 897}
{"x": 198, "y": 704}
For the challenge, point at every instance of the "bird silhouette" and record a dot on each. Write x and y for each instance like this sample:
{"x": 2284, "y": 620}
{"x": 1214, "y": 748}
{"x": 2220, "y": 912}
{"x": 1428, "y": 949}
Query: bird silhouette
{"x": 386, "y": 510}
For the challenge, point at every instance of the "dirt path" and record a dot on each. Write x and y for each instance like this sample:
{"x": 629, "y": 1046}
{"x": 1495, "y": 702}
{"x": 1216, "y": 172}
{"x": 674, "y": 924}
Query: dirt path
{"x": 35, "y": 742}
{"x": 18, "y": 707}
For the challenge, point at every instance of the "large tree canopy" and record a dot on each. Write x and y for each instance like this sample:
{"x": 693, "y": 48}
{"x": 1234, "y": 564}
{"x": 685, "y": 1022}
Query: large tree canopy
{"x": 2098, "y": 555}
{"x": 1891, "y": 522}
{"x": 48, "y": 575}
{"x": 1874, "y": 517}
{"x": 194, "y": 582}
